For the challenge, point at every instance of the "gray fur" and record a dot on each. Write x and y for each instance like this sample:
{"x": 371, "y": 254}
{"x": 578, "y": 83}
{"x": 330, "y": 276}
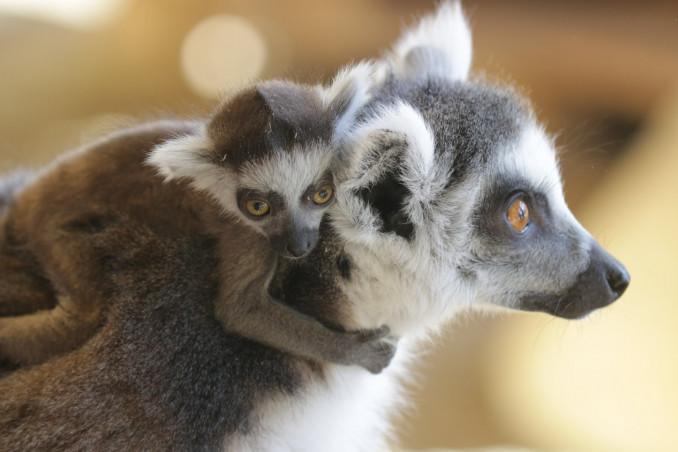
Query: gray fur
{"x": 470, "y": 120}
{"x": 165, "y": 375}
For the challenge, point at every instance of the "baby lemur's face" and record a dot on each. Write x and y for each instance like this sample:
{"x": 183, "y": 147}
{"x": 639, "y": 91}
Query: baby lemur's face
{"x": 265, "y": 156}
{"x": 275, "y": 143}
{"x": 284, "y": 196}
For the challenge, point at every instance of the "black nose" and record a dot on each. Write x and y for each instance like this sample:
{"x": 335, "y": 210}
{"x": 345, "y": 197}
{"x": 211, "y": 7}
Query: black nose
{"x": 617, "y": 278}
{"x": 614, "y": 278}
{"x": 601, "y": 283}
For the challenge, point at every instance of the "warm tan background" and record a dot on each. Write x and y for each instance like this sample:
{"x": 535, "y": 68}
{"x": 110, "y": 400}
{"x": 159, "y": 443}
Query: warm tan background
{"x": 604, "y": 77}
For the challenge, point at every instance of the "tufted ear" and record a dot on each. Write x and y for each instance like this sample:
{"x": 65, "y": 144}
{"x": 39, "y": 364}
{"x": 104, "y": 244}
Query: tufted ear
{"x": 387, "y": 193}
{"x": 184, "y": 156}
{"x": 346, "y": 94}
{"x": 391, "y": 164}
{"x": 439, "y": 45}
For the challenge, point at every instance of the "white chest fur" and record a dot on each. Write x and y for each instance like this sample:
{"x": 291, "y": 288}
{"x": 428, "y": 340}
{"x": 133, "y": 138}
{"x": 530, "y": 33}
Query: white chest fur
{"x": 350, "y": 410}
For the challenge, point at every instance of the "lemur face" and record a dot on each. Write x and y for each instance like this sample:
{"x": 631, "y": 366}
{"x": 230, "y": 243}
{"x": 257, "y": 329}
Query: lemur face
{"x": 265, "y": 156}
{"x": 285, "y": 195}
{"x": 527, "y": 250}
{"x": 460, "y": 180}
{"x": 461, "y": 176}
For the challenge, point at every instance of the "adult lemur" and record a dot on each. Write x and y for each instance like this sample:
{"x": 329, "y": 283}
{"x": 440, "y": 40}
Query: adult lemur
{"x": 449, "y": 197}
{"x": 264, "y": 156}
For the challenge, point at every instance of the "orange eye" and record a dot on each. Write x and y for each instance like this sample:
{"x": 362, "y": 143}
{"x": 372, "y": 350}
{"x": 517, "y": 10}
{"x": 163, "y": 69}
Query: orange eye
{"x": 518, "y": 215}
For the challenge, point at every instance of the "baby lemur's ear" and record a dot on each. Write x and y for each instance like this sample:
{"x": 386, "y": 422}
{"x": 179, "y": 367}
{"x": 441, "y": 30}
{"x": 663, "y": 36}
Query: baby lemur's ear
{"x": 349, "y": 91}
{"x": 439, "y": 45}
{"x": 235, "y": 126}
{"x": 187, "y": 155}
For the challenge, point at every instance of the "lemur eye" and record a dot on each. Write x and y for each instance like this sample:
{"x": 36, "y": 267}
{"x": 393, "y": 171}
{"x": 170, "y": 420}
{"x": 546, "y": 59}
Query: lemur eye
{"x": 323, "y": 196}
{"x": 257, "y": 207}
{"x": 518, "y": 215}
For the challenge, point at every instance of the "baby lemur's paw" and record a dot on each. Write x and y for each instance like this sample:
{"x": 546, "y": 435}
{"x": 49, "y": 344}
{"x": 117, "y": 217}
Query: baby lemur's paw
{"x": 374, "y": 349}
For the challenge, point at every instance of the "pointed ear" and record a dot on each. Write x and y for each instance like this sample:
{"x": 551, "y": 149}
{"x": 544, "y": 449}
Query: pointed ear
{"x": 439, "y": 45}
{"x": 391, "y": 165}
{"x": 348, "y": 92}
{"x": 398, "y": 129}
{"x": 192, "y": 158}
{"x": 186, "y": 156}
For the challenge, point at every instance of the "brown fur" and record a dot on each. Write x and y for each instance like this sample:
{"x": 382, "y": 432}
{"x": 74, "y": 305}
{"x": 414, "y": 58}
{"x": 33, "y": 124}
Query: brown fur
{"x": 105, "y": 183}
{"x": 108, "y": 184}
{"x": 157, "y": 371}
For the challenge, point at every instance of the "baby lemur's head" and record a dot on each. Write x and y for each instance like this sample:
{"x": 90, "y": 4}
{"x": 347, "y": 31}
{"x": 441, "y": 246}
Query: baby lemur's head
{"x": 265, "y": 155}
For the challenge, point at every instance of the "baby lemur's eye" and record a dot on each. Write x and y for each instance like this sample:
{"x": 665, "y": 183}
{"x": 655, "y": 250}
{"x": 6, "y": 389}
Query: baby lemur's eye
{"x": 257, "y": 207}
{"x": 518, "y": 215}
{"x": 324, "y": 195}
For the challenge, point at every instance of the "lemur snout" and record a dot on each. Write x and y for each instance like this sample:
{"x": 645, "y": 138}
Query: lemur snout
{"x": 600, "y": 284}
{"x": 302, "y": 242}
{"x": 603, "y": 282}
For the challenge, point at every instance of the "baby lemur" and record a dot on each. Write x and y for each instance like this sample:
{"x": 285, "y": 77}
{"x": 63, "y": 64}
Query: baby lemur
{"x": 259, "y": 169}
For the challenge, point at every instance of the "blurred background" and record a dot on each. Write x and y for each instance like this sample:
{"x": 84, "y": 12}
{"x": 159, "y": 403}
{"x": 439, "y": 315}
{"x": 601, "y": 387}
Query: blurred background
{"x": 603, "y": 76}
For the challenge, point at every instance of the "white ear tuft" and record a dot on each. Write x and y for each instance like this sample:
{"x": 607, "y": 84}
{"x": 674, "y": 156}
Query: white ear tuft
{"x": 439, "y": 45}
{"x": 182, "y": 157}
{"x": 403, "y": 119}
{"x": 190, "y": 157}
{"x": 348, "y": 92}
{"x": 395, "y": 126}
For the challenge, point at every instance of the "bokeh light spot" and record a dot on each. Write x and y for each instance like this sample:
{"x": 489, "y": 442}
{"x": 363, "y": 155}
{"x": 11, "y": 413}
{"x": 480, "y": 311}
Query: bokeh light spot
{"x": 222, "y": 53}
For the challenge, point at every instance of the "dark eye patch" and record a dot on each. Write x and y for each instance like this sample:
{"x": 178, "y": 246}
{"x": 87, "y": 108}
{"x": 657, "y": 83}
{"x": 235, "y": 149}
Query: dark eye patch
{"x": 325, "y": 179}
{"x": 490, "y": 213}
{"x": 275, "y": 200}
{"x": 386, "y": 198}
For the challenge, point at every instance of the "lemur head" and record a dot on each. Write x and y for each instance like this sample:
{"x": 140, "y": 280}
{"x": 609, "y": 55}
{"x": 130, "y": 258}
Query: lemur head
{"x": 265, "y": 155}
{"x": 463, "y": 186}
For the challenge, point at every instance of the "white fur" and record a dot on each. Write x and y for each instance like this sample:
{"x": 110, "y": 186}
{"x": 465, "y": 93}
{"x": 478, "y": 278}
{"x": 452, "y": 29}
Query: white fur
{"x": 394, "y": 282}
{"x": 287, "y": 172}
{"x": 443, "y": 41}
{"x": 188, "y": 157}
{"x": 357, "y": 81}
{"x": 407, "y": 121}
{"x": 534, "y": 158}
{"x": 412, "y": 142}
{"x": 183, "y": 156}
{"x": 348, "y": 411}
{"x": 413, "y": 286}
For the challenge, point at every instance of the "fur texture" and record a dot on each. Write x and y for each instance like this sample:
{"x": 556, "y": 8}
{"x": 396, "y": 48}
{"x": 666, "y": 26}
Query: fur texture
{"x": 166, "y": 376}
{"x": 51, "y": 219}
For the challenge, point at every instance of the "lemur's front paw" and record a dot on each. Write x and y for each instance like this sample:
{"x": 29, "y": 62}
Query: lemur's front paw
{"x": 375, "y": 349}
